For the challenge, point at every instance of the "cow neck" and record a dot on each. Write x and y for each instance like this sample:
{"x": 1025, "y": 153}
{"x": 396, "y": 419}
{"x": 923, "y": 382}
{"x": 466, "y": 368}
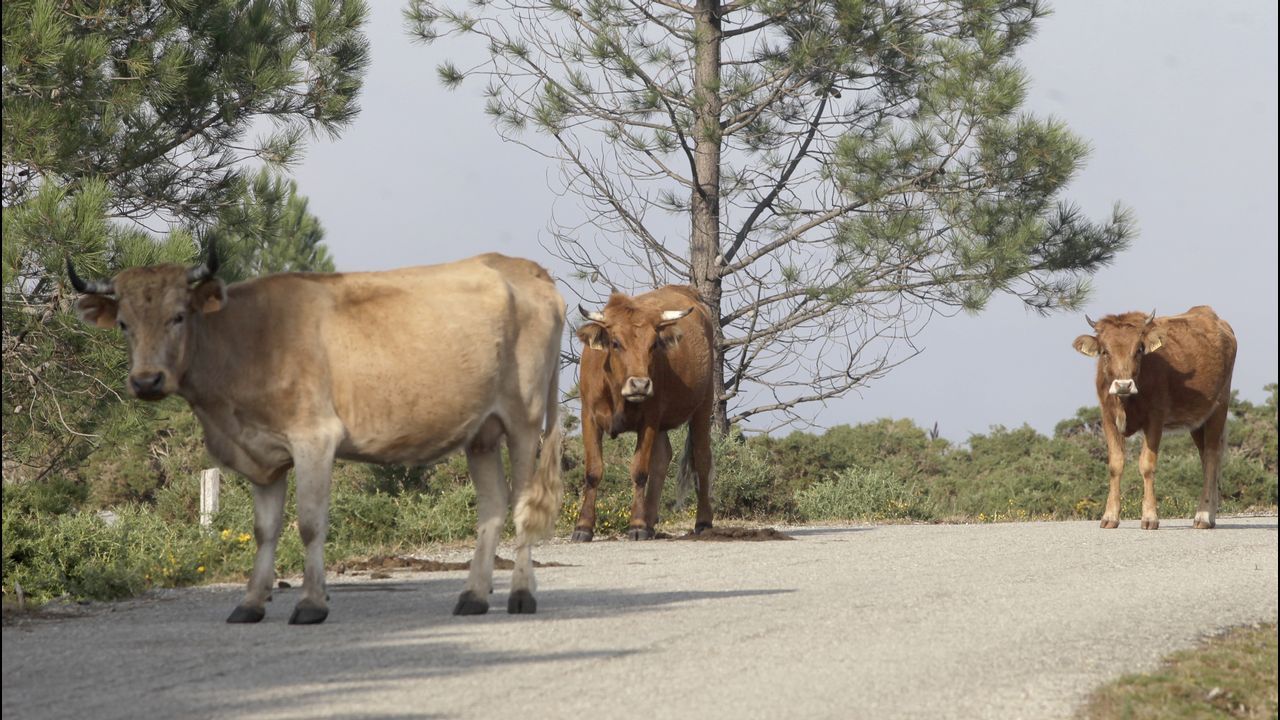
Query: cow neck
{"x": 200, "y": 381}
{"x": 1122, "y": 409}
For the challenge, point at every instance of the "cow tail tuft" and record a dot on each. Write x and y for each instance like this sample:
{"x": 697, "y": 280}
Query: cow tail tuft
{"x": 539, "y": 505}
{"x": 687, "y": 475}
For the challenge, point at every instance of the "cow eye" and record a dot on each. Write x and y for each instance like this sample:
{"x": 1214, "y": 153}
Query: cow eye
{"x": 177, "y": 319}
{"x": 123, "y": 326}
{"x": 616, "y": 345}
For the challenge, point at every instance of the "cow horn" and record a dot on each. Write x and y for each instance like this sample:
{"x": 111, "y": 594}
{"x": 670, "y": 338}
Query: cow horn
{"x": 1092, "y": 324}
{"x": 674, "y": 315}
{"x": 89, "y": 287}
{"x": 206, "y": 269}
{"x": 592, "y": 316}
{"x": 1152, "y": 317}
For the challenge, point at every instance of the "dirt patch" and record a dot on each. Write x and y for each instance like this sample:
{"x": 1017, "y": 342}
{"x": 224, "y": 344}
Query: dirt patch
{"x": 65, "y": 608}
{"x": 733, "y": 534}
{"x": 379, "y": 565}
{"x": 14, "y": 615}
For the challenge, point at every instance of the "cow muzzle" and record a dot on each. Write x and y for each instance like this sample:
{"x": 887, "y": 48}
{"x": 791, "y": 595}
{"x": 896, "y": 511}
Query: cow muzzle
{"x": 637, "y": 389}
{"x": 1123, "y": 388}
{"x": 147, "y": 385}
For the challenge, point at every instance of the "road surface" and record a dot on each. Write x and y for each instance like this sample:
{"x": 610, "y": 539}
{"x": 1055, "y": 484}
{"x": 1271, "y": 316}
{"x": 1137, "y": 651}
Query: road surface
{"x": 925, "y": 621}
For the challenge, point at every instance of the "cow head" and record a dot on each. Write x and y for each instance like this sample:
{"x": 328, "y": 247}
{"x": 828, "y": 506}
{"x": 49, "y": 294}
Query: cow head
{"x": 1119, "y": 345}
{"x": 635, "y": 338}
{"x": 156, "y": 308}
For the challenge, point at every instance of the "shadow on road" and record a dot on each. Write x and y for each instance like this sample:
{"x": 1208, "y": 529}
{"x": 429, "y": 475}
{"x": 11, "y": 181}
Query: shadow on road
{"x": 1221, "y": 526}
{"x": 308, "y": 669}
{"x": 1232, "y": 526}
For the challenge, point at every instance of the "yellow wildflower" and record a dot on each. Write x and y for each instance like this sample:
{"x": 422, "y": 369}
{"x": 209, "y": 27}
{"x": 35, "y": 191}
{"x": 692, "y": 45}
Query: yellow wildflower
{"x": 200, "y": 569}
{"x": 244, "y": 537}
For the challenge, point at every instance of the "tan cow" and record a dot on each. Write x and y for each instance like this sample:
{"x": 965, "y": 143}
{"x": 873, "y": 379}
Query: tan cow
{"x": 646, "y": 368}
{"x": 404, "y": 366}
{"x": 1156, "y": 374}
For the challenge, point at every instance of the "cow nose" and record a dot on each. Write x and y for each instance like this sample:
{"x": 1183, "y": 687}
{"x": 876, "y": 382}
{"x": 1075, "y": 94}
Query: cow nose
{"x": 638, "y": 387}
{"x": 147, "y": 384}
{"x": 1124, "y": 387}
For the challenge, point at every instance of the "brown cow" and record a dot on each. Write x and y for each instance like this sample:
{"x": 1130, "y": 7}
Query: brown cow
{"x": 1156, "y": 373}
{"x": 403, "y": 366}
{"x": 646, "y": 368}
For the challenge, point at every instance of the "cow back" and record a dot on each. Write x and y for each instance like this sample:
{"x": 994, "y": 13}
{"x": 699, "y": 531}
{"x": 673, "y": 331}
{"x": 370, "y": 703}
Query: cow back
{"x": 1190, "y": 375}
{"x": 409, "y": 362}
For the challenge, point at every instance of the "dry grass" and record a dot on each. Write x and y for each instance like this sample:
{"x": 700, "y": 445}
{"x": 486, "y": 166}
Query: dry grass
{"x": 1229, "y": 676}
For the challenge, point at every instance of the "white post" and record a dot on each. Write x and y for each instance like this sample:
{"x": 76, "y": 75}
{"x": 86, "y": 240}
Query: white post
{"x": 209, "y": 486}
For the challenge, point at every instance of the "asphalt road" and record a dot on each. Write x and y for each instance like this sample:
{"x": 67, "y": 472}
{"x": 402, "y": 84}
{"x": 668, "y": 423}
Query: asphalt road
{"x": 927, "y": 621}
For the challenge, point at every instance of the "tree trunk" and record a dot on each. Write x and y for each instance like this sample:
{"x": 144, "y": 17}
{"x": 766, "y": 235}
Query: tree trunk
{"x": 704, "y": 240}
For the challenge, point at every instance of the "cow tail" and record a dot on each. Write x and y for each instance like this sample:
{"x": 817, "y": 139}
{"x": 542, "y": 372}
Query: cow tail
{"x": 687, "y": 475}
{"x": 539, "y": 505}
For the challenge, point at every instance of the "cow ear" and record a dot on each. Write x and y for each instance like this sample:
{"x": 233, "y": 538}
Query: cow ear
{"x": 1086, "y": 345}
{"x": 594, "y": 335}
{"x": 209, "y": 296}
{"x": 1152, "y": 342}
{"x": 98, "y": 310}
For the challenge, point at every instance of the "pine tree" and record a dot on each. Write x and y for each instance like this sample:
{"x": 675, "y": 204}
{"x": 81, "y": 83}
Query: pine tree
{"x": 829, "y": 174}
{"x": 270, "y": 230}
{"x": 126, "y": 129}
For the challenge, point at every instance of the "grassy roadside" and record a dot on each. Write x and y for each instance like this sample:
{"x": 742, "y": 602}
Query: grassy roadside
{"x": 1229, "y": 676}
{"x": 125, "y": 520}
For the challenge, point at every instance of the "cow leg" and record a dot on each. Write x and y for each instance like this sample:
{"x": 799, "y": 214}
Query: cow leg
{"x": 314, "y": 471}
{"x": 700, "y": 430}
{"x": 485, "y": 463}
{"x": 593, "y": 460}
{"x": 659, "y": 462}
{"x": 1210, "y": 440}
{"x": 1115, "y": 468}
{"x": 1147, "y": 466}
{"x": 522, "y": 448}
{"x": 268, "y": 516}
{"x": 646, "y": 437}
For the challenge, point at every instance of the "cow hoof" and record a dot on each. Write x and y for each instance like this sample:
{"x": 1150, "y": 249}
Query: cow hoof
{"x": 1202, "y": 525}
{"x": 470, "y": 604}
{"x": 1150, "y": 524}
{"x": 1110, "y": 524}
{"x": 244, "y": 614}
{"x": 700, "y": 527}
{"x": 306, "y": 615}
{"x": 639, "y": 534}
{"x": 521, "y": 602}
{"x": 581, "y": 536}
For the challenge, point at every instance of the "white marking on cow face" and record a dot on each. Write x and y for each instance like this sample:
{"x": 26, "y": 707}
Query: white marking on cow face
{"x": 1123, "y": 388}
{"x": 637, "y": 389}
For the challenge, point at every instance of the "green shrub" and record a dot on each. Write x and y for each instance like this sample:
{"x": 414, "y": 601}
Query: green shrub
{"x": 447, "y": 517}
{"x": 613, "y": 513}
{"x": 81, "y": 555}
{"x": 745, "y": 484}
{"x": 52, "y": 496}
{"x": 861, "y": 494}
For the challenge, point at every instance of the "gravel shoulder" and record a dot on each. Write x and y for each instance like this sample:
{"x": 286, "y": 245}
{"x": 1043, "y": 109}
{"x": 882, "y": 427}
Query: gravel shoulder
{"x": 1017, "y": 620}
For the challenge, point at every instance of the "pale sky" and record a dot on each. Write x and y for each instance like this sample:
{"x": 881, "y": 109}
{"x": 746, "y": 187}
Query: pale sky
{"x": 1177, "y": 99}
